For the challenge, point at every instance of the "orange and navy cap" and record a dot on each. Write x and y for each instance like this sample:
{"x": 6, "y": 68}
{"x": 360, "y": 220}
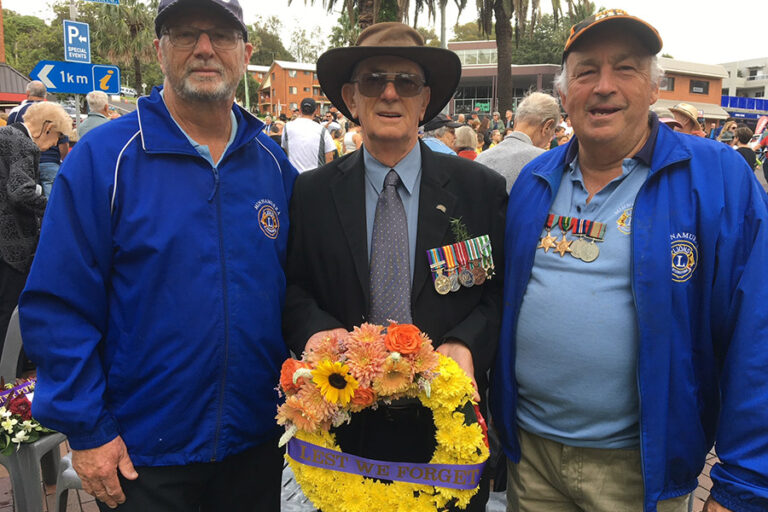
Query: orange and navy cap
{"x": 648, "y": 35}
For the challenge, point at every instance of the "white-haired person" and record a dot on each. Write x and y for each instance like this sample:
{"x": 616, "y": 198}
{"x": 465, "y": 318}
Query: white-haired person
{"x": 98, "y": 112}
{"x": 22, "y": 202}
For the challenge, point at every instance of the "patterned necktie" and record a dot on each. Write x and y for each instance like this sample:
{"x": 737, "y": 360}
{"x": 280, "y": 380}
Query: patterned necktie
{"x": 390, "y": 278}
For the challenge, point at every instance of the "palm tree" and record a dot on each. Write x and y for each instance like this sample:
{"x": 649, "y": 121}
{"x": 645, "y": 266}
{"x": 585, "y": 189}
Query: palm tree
{"x": 131, "y": 30}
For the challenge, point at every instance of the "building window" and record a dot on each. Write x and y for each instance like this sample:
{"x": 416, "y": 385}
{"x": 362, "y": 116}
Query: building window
{"x": 306, "y": 89}
{"x": 759, "y": 94}
{"x": 699, "y": 87}
{"x": 273, "y": 76}
{"x": 293, "y": 90}
{"x": 667, "y": 83}
{"x": 292, "y": 73}
{"x": 293, "y": 106}
{"x": 306, "y": 73}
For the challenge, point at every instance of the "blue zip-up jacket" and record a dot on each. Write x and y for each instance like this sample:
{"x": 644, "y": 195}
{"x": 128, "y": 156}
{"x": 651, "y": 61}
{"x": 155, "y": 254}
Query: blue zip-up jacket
{"x": 153, "y": 306}
{"x": 703, "y": 325}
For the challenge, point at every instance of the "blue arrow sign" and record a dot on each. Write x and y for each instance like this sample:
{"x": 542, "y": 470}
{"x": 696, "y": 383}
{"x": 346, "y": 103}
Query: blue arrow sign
{"x": 110, "y": 2}
{"x": 76, "y": 78}
{"x": 77, "y": 42}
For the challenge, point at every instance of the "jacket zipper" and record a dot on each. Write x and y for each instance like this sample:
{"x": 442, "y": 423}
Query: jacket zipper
{"x": 223, "y": 260}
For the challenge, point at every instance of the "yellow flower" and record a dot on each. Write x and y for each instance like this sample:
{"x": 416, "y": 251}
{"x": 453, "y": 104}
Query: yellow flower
{"x": 334, "y": 381}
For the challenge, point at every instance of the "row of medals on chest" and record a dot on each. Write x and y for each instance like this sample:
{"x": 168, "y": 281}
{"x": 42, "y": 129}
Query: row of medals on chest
{"x": 583, "y": 229}
{"x": 466, "y": 263}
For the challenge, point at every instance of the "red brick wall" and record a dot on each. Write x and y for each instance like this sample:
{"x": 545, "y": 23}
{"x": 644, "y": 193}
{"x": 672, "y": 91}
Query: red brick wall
{"x": 683, "y": 87}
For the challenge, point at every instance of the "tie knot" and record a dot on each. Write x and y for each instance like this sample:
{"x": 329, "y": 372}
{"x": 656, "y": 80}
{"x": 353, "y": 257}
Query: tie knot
{"x": 392, "y": 179}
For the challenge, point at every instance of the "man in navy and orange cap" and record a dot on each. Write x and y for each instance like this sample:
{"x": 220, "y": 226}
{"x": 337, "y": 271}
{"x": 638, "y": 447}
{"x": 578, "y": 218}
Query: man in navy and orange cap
{"x": 153, "y": 307}
{"x": 634, "y": 324}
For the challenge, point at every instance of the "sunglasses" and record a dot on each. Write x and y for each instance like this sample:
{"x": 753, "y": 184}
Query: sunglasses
{"x": 373, "y": 84}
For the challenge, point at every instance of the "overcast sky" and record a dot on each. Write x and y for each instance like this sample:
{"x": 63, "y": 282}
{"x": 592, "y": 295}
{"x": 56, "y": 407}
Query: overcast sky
{"x": 706, "y": 31}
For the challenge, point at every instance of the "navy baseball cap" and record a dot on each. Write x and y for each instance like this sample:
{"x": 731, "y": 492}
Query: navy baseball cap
{"x": 230, "y": 8}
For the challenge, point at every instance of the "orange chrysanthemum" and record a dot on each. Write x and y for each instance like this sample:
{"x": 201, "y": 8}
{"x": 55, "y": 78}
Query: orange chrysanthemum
{"x": 365, "y": 360}
{"x": 328, "y": 348}
{"x": 396, "y": 377}
{"x": 294, "y": 411}
{"x": 367, "y": 333}
{"x": 425, "y": 359}
{"x": 286, "y": 375}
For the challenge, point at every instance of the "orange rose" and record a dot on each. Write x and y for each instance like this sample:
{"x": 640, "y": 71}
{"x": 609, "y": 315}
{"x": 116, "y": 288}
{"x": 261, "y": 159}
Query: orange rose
{"x": 286, "y": 375}
{"x": 362, "y": 398}
{"x": 403, "y": 338}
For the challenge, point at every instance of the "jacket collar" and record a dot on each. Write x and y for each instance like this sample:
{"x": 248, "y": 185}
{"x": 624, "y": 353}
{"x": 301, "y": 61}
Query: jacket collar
{"x": 663, "y": 148}
{"x": 160, "y": 134}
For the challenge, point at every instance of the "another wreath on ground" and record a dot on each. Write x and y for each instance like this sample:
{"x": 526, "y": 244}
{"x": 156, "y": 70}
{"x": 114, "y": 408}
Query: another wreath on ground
{"x": 369, "y": 365}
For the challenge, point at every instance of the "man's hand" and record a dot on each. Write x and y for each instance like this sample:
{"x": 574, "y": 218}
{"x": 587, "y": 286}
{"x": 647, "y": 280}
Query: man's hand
{"x": 319, "y": 336}
{"x": 463, "y": 357}
{"x": 97, "y": 468}
{"x": 712, "y": 506}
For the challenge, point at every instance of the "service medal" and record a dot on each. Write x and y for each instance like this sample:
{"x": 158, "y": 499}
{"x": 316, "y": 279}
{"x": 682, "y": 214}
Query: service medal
{"x": 466, "y": 278}
{"x": 442, "y": 284}
{"x": 590, "y": 251}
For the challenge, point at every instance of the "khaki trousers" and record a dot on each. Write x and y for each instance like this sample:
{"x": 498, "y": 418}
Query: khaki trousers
{"x": 553, "y": 477}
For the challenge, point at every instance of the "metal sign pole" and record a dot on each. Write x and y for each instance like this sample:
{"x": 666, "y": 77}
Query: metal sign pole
{"x": 73, "y": 16}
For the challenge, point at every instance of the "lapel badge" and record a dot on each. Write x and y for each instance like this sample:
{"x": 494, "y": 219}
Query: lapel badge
{"x": 441, "y": 207}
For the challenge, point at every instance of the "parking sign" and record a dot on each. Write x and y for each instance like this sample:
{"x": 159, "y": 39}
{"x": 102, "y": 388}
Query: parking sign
{"x": 77, "y": 42}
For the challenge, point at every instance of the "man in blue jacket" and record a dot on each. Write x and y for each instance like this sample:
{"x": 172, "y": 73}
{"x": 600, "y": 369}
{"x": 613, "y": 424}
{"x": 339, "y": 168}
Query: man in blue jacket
{"x": 634, "y": 333}
{"x": 154, "y": 303}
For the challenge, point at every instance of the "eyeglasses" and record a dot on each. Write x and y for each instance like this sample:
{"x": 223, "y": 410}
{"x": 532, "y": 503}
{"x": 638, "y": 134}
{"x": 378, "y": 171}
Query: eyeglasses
{"x": 187, "y": 37}
{"x": 373, "y": 84}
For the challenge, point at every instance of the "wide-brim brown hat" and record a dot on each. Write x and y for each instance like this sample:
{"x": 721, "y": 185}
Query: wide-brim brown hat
{"x": 688, "y": 111}
{"x": 442, "y": 68}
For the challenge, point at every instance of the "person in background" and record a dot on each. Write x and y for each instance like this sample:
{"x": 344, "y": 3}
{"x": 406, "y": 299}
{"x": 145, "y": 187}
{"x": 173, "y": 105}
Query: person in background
{"x": 267, "y": 124}
{"x": 496, "y": 122}
{"x": 153, "y": 306}
{"x": 352, "y": 139}
{"x": 440, "y": 134}
{"x": 496, "y": 137}
{"x": 466, "y": 142}
{"x": 743, "y": 135}
{"x": 307, "y": 143}
{"x": 22, "y": 202}
{"x": 634, "y": 327}
{"x": 461, "y": 119}
{"x": 98, "y": 110}
{"x": 509, "y": 118}
{"x": 537, "y": 117}
{"x": 338, "y": 141}
{"x": 688, "y": 117}
{"x": 727, "y": 133}
{"x": 559, "y": 132}
{"x": 50, "y": 159}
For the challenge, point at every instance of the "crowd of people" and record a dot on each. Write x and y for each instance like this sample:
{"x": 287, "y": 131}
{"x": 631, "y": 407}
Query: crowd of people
{"x": 187, "y": 249}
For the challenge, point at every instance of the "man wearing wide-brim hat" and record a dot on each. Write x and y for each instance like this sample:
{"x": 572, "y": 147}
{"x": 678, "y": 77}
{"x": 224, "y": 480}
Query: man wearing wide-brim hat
{"x": 343, "y": 272}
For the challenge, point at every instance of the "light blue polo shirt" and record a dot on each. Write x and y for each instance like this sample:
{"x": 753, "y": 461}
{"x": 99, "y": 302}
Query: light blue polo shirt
{"x": 409, "y": 170}
{"x": 577, "y": 335}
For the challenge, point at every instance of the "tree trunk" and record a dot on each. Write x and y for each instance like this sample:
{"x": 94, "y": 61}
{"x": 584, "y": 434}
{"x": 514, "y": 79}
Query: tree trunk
{"x": 504, "y": 49}
{"x": 137, "y": 74}
{"x": 443, "y": 41}
{"x": 366, "y": 17}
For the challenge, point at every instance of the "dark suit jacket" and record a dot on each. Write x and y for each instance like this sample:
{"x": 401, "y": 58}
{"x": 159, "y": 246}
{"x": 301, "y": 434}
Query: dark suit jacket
{"x": 328, "y": 268}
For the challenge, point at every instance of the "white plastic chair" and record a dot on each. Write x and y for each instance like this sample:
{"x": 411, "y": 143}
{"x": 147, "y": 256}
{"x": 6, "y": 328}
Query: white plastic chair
{"x": 25, "y": 466}
{"x": 66, "y": 480}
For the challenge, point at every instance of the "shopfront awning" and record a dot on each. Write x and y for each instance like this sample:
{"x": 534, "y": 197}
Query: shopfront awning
{"x": 709, "y": 110}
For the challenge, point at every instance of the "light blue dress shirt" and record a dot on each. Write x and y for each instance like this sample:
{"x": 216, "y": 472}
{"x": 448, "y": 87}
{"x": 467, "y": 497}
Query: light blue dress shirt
{"x": 409, "y": 170}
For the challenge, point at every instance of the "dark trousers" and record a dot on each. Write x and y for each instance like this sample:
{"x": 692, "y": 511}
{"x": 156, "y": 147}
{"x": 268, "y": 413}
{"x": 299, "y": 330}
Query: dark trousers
{"x": 246, "y": 482}
{"x": 11, "y": 284}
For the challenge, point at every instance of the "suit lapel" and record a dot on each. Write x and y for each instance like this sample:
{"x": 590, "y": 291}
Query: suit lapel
{"x": 436, "y": 207}
{"x": 348, "y": 191}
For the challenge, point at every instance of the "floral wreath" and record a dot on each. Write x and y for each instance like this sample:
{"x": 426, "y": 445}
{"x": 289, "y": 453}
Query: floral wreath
{"x": 360, "y": 369}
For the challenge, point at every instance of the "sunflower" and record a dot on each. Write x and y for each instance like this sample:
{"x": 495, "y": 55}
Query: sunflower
{"x": 334, "y": 381}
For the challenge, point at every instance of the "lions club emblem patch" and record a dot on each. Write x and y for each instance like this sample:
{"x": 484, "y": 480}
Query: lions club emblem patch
{"x": 269, "y": 219}
{"x": 685, "y": 256}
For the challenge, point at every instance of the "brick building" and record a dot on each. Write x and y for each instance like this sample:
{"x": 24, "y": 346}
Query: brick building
{"x": 285, "y": 84}
{"x": 690, "y": 82}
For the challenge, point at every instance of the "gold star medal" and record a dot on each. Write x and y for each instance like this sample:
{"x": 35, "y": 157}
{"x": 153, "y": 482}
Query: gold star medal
{"x": 564, "y": 245}
{"x": 548, "y": 242}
